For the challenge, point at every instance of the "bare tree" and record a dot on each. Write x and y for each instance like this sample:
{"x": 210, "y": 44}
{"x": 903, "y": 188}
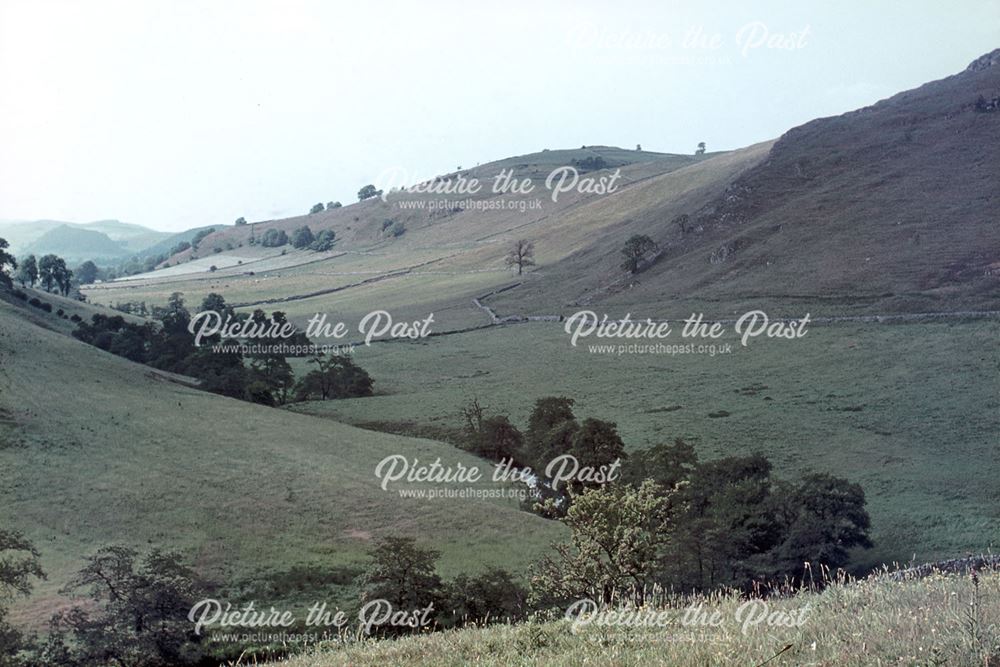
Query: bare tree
{"x": 521, "y": 255}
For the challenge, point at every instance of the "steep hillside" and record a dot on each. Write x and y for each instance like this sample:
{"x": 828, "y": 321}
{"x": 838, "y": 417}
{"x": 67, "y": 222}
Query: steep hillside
{"x": 98, "y": 450}
{"x": 891, "y": 207}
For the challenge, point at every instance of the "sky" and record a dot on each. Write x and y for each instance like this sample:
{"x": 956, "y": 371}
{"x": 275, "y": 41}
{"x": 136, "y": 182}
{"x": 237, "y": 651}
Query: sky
{"x": 179, "y": 114}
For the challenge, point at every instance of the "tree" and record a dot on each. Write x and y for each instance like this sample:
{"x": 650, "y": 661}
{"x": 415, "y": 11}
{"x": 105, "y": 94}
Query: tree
{"x": 241, "y": 221}
{"x": 303, "y": 237}
{"x": 521, "y": 255}
{"x": 274, "y": 238}
{"x": 497, "y": 439}
{"x": 597, "y": 443}
{"x": 823, "y": 517}
{"x": 27, "y": 272}
{"x": 638, "y": 147}
{"x": 316, "y": 208}
{"x": 551, "y": 426}
{"x": 682, "y": 221}
{"x": 52, "y": 272}
{"x": 137, "y": 614}
{"x": 402, "y": 574}
{"x": 667, "y": 465}
{"x": 335, "y": 377}
{"x": 332, "y": 205}
{"x": 19, "y": 565}
{"x": 324, "y": 241}
{"x": 701, "y": 148}
{"x": 617, "y": 536}
{"x": 635, "y": 250}
{"x": 86, "y": 273}
{"x": 494, "y": 596}
{"x": 367, "y": 192}
{"x": 6, "y": 259}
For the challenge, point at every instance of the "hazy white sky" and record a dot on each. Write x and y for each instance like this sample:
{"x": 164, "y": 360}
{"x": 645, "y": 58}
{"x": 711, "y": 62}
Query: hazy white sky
{"x": 177, "y": 114}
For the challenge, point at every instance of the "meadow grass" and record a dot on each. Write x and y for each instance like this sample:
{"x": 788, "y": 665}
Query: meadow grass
{"x": 936, "y": 621}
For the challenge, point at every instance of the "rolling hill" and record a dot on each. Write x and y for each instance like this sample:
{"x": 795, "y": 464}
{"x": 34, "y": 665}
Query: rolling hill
{"x": 98, "y": 450}
{"x": 891, "y": 208}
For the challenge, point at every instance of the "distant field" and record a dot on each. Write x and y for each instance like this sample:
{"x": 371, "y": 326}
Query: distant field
{"x": 909, "y": 411}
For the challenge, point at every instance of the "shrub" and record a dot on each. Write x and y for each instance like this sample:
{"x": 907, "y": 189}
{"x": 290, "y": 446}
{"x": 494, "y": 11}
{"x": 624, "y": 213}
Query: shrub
{"x": 302, "y": 237}
{"x": 274, "y": 238}
{"x": 324, "y": 241}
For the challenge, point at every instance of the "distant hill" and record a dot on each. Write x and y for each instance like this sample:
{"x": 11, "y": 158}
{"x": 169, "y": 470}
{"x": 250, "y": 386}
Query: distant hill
{"x": 102, "y": 241}
{"x": 76, "y": 244}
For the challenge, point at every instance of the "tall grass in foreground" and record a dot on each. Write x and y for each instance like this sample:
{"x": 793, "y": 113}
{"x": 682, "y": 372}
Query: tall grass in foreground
{"x": 943, "y": 619}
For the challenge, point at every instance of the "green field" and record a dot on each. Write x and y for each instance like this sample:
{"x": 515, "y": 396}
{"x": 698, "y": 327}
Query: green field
{"x": 911, "y": 411}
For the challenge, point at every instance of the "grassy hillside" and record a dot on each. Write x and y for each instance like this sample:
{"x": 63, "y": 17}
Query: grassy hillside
{"x": 910, "y": 411}
{"x": 943, "y": 620}
{"x": 97, "y": 450}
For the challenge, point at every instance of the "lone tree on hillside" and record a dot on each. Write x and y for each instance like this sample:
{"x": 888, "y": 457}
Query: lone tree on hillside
{"x": 701, "y": 148}
{"x": 635, "y": 250}
{"x": 317, "y": 208}
{"x": 682, "y": 221}
{"x": 241, "y": 221}
{"x": 368, "y": 192}
{"x": 330, "y": 205}
{"x": 521, "y": 255}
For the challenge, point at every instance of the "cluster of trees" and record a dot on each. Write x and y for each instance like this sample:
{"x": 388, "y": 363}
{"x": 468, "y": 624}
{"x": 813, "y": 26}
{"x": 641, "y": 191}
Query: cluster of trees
{"x": 721, "y": 523}
{"x": 368, "y": 192}
{"x": 318, "y": 208}
{"x": 302, "y": 238}
{"x": 405, "y": 575}
{"x": 50, "y": 271}
{"x": 264, "y": 377}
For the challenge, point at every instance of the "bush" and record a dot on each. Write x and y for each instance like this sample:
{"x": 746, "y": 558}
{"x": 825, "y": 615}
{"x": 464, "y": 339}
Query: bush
{"x": 397, "y": 229}
{"x": 302, "y": 237}
{"x": 75, "y": 318}
{"x": 324, "y": 241}
{"x": 20, "y": 295}
{"x": 274, "y": 238}
{"x": 317, "y": 208}
{"x": 35, "y": 302}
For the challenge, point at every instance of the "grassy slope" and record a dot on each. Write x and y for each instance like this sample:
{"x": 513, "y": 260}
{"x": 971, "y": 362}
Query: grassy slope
{"x": 910, "y": 411}
{"x": 97, "y": 450}
{"x": 921, "y": 622}
{"x": 445, "y": 258}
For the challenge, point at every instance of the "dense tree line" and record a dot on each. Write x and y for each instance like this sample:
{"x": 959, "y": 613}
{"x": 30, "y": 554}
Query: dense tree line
{"x": 722, "y": 523}
{"x": 263, "y": 377}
